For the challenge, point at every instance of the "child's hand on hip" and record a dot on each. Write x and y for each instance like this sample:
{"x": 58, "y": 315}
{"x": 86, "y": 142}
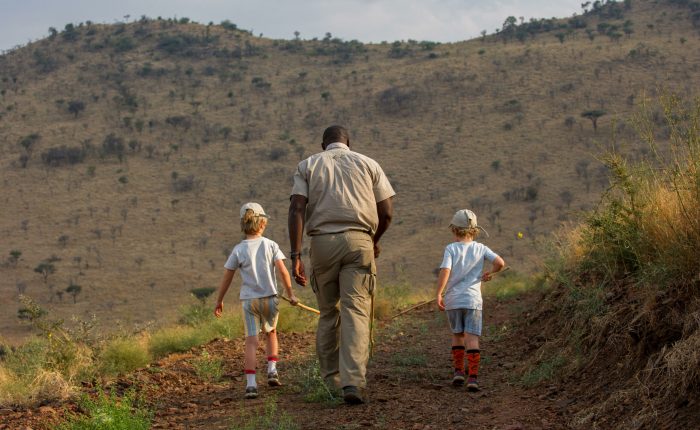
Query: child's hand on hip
{"x": 219, "y": 309}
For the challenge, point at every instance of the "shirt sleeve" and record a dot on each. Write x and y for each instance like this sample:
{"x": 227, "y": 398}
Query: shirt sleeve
{"x": 381, "y": 186}
{"x": 488, "y": 254}
{"x": 277, "y": 253}
{"x": 446, "y": 260}
{"x": 232, "y": 263}
{"x": 300, "y": 186}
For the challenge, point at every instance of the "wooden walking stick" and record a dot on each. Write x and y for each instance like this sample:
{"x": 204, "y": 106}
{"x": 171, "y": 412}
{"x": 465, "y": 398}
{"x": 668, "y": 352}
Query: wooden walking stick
{"x": 303, "y": 306}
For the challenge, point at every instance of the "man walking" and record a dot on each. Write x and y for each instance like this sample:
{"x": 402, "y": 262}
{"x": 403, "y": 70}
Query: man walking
{"x": 344, "y": 200}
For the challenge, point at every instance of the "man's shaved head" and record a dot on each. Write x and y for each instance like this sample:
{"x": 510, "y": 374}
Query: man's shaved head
{"x": 335, "y": 133}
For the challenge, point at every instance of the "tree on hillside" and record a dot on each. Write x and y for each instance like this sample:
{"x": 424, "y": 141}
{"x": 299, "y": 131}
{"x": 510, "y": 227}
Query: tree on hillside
{"x": 74, "y": 290}
{"x": 202, "y": 293}
{"x": 593, "y": 115}
{"x": 75, "y": 107}
{"x": 45, "y": 268}
{"x": 15, "y": 254}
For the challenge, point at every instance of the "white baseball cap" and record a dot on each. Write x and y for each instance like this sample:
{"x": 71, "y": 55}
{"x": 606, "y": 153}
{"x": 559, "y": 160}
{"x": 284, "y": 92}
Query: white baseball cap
{"x": 465, "y": 218}
{"x": 255, "y": 207}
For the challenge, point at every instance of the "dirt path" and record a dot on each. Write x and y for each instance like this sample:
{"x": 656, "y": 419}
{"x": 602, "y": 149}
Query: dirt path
{"x": 409, "y": 380}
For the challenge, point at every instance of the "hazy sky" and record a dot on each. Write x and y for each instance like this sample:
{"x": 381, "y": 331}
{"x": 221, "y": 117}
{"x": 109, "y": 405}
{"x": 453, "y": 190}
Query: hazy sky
{"x": 366, "y": 20}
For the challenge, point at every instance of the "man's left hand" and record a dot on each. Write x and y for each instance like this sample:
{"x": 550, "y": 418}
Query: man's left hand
{"x": 298, "y": 272}
{"x": 377, "y": 250}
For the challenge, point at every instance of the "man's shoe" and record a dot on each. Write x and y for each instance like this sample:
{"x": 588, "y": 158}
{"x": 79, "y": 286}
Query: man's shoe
{"x": 273, "y": 380}
{"x": 458, "y": 379}
{"x": 251, "y": 392}
{"x": 352, "y": 395}
{"x": 472, "y": 385}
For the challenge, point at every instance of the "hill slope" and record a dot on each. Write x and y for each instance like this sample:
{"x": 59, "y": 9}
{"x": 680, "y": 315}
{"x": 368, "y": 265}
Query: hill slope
{"x": 127, "y": 149}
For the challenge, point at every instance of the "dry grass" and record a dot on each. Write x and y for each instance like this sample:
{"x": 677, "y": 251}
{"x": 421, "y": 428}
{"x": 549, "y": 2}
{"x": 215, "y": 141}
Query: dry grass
{"x": 626, "y": 284}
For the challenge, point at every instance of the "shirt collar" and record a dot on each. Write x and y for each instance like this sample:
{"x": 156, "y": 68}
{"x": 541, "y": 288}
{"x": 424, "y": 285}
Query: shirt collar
{"x": 337, "y": 145}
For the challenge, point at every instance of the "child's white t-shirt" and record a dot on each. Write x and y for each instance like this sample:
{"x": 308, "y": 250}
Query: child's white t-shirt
{"x": 255, "y": 258}
{"x": 466, "y": 264}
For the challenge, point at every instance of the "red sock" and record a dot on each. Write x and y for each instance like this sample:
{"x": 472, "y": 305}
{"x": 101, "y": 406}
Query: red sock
{"x": 473, "y": 358}
{"x": 458, "y": 358}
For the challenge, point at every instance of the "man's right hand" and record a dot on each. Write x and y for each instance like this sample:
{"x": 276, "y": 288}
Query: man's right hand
{"x": 298, "y": 272}
{"x": 377, "y": 250}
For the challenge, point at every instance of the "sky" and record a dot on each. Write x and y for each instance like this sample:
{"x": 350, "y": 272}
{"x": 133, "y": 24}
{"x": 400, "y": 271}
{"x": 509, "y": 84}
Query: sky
{"x": 22, "y": 21}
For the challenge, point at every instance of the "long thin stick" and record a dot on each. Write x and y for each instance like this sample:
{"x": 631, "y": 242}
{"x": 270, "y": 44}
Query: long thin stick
{"x": 431, "y": 301}
{"x": 412, "y": 308}
{"x": 307, "y": 308}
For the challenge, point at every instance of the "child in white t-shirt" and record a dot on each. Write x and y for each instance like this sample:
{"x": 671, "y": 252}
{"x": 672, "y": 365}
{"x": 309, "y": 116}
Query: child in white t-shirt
{"x": 257, "y": 258}
{"x": 460, "y": 278}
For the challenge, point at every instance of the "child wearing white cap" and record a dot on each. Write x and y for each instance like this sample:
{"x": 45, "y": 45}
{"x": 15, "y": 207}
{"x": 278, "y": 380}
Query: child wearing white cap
{"x": 257, "y": 257}
{"x": 460, "y": 278}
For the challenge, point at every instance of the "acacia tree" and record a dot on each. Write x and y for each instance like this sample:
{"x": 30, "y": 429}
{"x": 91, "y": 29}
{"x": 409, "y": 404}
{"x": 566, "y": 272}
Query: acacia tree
{"x": 202, "y": 293}
{"x": 75, "y": 107}
{"x": 45, "y": 269}
{"x": 74, "y": 290}
{"x": 593, "y": 115}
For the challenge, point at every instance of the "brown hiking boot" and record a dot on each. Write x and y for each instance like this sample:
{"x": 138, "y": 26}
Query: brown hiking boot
{"x": 353, "y": 395}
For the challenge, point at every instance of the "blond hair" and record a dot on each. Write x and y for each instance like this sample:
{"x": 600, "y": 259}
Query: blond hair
{"x": 462, "y": 232}
{"x": 251, "y": 223}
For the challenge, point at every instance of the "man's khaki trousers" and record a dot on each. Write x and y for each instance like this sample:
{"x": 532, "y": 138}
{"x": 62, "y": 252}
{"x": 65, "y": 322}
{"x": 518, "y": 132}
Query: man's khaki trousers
{"x": 343, "y": 279}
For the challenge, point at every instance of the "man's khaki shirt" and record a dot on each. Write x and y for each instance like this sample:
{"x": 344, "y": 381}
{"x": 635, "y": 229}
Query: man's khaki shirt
{"x": 342, "y": 188}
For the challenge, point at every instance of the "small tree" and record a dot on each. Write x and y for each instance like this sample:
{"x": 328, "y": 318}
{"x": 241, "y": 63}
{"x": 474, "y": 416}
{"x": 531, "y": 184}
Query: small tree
{"x": 75, "y": 107}
{"x": 566, "y": 197}
{"x": 15, "y": 254}
{"x": 45, "y": 269}
{"x": 74, "y": 290}
{"x": 593, "y": 115}
{"x": 202, "y": 293}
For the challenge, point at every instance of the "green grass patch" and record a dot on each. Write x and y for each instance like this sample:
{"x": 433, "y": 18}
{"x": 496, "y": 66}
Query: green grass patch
{"x": 294, "y": 319}
{"x": 312, "y": 386}
{"x": 510, "y": 284}
{"x": 184, "y": 338}
{"x": 207, "y": 367}
{"x": 109, "y": 412}
{"x": 175, "y": 339}
{"x": 123, "y": 355}
{"x": 543, "y": 371}
{"x": 269, "y": 418}
{"x": 409, "y": 359}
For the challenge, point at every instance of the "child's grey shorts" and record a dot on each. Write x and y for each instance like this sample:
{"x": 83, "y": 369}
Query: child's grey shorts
{"x": 465, "y": 321}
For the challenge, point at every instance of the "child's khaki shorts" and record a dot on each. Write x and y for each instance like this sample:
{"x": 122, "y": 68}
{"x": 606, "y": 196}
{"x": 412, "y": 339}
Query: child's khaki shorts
{"x": 260, "y": 314}
{"x": 465, "y": 321}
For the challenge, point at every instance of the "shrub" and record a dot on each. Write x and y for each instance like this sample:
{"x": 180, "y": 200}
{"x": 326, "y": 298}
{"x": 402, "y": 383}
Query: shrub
{"x": 626, "y": 279}
{"x": 63, "y": 155}
{"x": 183, "y": 184}
{"x": 113, "y": 145}
{"x": 123, "y": 355}
{"x": 395, "y": 101}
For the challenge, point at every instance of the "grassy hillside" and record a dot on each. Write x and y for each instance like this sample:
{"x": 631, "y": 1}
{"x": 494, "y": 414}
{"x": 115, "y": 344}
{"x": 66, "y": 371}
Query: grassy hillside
{"x": 127, "y": 149}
